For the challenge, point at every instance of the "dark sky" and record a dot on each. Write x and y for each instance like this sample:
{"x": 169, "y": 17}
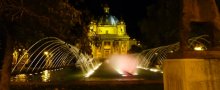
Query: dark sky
{"x": 131, "y": 11}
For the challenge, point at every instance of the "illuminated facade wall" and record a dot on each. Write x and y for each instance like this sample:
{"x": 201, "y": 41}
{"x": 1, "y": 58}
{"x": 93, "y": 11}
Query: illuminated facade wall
{"x": 110, "y": 34}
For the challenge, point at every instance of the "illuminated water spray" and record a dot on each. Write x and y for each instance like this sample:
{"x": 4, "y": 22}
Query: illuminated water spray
{"x": 155, "y": 56}
{"x": 124, "y": 64}
{"x": 150, "y": 59}
{"x": 53, "y": 53}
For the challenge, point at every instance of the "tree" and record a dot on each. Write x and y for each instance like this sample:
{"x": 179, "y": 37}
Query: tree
{"x": 161, "y": 24}
{"x": 25, "y": 22}
{"x": 135, "y": 49}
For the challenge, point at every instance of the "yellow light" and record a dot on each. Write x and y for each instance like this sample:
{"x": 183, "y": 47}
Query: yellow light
{"x": 135, "y": 73}
{"x": 89, "y": 73}
{"x": 198, "y": 48}
{"x": 171, "y": 51}
{"x": 154, "y": 70}
{"x": 119, "y": 71}
{"x": 21, "y": 78}
{"x": 142, "y": 68}
{"x": 97, "y": 66}
{"x": 46, "y": 53}
{"x": 93, "y": 70}
{"x": 45, "y": 76}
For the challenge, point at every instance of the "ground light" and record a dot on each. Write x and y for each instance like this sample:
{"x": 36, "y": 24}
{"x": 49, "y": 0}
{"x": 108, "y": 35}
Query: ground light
{"x": 151, "y": 69}
{"x": 92, "y": 70}
{"x": 123, "y": 73}
{"x": 154, "y": 70}
{"x": 20, "y": 77}
{"x": 119, "y": 71}
{"x": 46, "y": 53}
{"x": 45, "y": 76}
{"x": 135, "y": 73}
{"x": 198, "y": 48}
{"x": 142, "y": 68}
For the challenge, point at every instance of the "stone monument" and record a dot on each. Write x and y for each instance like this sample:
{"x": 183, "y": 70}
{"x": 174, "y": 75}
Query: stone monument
{"x": 195, "y": 70}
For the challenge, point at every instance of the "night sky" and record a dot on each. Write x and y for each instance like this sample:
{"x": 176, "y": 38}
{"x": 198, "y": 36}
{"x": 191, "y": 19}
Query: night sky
{"x": 131, "y": 12}
{"x": 143, "y": 18}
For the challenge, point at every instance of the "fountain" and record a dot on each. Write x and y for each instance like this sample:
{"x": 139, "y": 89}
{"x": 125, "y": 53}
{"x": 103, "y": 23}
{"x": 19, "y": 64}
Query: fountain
{"x": 156, "y": 56}
{"x": 53, "y": 53}
{"x": 124, "y": 64}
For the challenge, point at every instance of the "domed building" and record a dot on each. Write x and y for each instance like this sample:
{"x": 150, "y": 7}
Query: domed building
{"x": 109, "y": 36}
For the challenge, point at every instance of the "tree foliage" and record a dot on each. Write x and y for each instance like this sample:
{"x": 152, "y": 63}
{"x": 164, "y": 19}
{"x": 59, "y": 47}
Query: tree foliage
{"x": 35, "y": 19}
{"x": 23, "y": 22}
{"x": 135, "y": 49}
{"x": 161, "y": 24}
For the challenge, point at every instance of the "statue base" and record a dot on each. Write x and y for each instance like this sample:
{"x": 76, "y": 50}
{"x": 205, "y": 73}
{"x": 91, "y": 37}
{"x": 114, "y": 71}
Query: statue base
{"x": 192, "y": 70}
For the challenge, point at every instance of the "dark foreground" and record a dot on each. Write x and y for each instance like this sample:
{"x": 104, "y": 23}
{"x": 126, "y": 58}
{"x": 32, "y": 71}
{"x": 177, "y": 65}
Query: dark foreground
{"x": 92, "y": 85}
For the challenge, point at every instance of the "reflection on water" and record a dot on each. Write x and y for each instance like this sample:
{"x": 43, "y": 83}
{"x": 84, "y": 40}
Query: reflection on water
{"x": 45, "y": 76}
{"x": 70, "y": 74}
{"x": 48, "y": 76}
{"x": 20, "y": 78}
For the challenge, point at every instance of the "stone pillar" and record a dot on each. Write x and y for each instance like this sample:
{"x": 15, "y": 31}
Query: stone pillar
{"x": 191, "y": 74}
{"x": 194, "y": 70}
{"x": 198, "y": 11}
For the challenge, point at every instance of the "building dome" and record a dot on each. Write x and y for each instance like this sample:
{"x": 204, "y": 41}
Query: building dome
{"x": 107, "y": 19}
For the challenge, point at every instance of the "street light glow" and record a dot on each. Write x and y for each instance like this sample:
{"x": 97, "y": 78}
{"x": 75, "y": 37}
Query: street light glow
{"x": 198, "y": 48}
{"x": 46, "y": 53}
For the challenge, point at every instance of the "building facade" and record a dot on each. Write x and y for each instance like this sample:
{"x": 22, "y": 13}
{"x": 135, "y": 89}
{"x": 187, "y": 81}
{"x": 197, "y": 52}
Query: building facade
{"x": 109, "y": 36}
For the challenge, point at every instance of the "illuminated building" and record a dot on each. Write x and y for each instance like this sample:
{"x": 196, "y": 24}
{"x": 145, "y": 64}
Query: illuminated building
{"x": 109, "y": 36}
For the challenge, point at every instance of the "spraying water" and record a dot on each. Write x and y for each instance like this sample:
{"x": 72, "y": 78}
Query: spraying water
{"x": 149, "y": 57}
{"x": 124, "y": 64}
{"x": 52, "y": 53}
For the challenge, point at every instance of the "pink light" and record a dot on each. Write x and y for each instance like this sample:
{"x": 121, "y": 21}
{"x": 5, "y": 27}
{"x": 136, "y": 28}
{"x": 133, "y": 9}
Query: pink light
{"x": 126, "y": 64}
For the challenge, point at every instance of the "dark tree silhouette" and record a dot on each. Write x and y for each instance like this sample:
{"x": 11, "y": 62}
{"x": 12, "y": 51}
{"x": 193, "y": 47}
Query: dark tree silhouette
{"x": 161, "y": 24}
{"x": 24, "y": 22}
{"x": 135, "y": 49}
